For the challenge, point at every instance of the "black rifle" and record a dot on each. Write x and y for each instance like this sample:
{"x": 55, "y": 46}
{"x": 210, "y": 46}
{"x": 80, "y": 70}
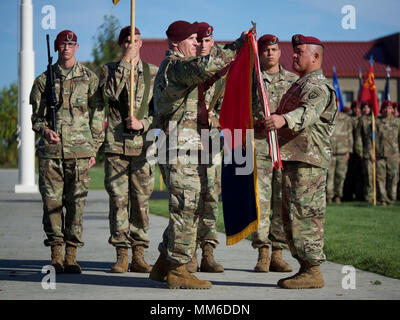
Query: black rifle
{"x": 51, "y": 89}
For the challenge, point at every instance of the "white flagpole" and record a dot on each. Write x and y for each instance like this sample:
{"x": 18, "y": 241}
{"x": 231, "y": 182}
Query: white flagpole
{"x": 26, "y": 75}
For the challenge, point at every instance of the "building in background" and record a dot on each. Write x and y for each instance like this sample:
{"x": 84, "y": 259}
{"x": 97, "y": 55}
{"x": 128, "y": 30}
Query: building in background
{"x": 346, "y": 56}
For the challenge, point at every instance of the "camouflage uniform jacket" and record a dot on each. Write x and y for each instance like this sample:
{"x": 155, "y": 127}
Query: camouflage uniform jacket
{"x": 214, "y": 97}
{"x": 363, "y": 142}
{"x": 176, "y": 94}
{"x": 342, "y": 136}
{"x": 309, "y": 108}
{"x": 387, "y": 137}
{"x": 115, "y": 83}
{"x": 275, "y": 85}
{"x": 79, "y": 116}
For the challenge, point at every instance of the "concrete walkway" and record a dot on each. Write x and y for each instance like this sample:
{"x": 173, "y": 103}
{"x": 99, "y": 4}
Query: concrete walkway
{"x": 22, "y": 256}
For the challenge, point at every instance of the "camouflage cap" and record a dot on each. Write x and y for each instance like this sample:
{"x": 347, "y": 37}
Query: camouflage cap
{"x": 65, "y": 35}
{"x": 299, "y": 39}
{"x": 266, "y": 40}
{"x": 181, "y": 30}
{"x": 126, "y": 32}
{"x": 204, "y": 30}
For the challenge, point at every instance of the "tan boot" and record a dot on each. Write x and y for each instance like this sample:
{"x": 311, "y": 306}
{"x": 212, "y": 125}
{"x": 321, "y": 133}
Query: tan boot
{"x": 121, "y": 265}
{"x": 56, "y": 258}
{"x": 308, "y": 277}
{"x": 179, "y": 278}
{"x": 160, "y": 269}
{"x": 193, "y": 265}
{"x": 208, "y": 263}
{"x": 264, "y": 260}
{"x": 277, "y": 262}
{"x": 70, "y": 264}
{"x": 337, "y": 200}
{"x": 138, "y": 263}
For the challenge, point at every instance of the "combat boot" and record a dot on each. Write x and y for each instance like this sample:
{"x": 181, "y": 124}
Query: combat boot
{"x": 56, "y": 258}
{"x": 308, "y": 277}
{"x": 277, "y": 262}
{"x": 70, "y": 264}
{"x": 160, "y": 269}
{"x": 264, "y": 260}
{"x": 121, "y": 265}
{"x": 337, "y": 200}
{"x": 179, "y": 278}
{"x": 208, "y": 263}
{"x": 193, "y": 265}
{"x": 138, "y": 263}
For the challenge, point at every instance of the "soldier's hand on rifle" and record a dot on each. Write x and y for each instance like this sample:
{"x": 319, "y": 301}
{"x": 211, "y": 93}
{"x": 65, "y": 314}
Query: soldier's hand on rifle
{"x": 133, "y": 124}
{"x": 92, "y": 162}
{"x": 373, "y": 159}
{"x": 51, "y": 136}
{"x": 275, "y": 121}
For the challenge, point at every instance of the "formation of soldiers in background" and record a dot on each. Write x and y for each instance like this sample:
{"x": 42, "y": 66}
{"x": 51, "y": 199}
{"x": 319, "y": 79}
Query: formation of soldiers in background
{"x": 188, "y": 89}
{"x": 351, "y": 174}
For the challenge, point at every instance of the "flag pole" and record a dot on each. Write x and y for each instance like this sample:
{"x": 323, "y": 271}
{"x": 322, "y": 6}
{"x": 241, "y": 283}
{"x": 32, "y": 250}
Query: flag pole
{"x": 371, "y": 61}
{"x": 132, "y": 100}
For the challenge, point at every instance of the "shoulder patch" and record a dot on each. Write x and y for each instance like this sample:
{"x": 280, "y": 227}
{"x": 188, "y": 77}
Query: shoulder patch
{"x": 315, "y": 93}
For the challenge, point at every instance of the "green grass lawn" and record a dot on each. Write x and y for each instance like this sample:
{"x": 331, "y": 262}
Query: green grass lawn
{"x": 356, "y": 233}
{"x": 97, "y": 178}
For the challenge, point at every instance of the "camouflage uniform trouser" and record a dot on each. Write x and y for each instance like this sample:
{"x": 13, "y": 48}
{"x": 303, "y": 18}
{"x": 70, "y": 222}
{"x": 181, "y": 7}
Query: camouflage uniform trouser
{"x": 303, "y": 210}
{"x": 387, "y": 176}
{"x": 128, "y": 179}
{"x": 368, "y": 180}
{"x": 184, "y": 182}
{"x": 270, "y": 230}
{"x": 208, "y": 205}
{"x": 63, "y": 183}
{"x": 336, "y": 175}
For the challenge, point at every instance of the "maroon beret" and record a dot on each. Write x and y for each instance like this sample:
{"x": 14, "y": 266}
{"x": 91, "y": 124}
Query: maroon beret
{"x": 386, "y": 103}
{"x": 65, "y": 35}
{"x": 126, "y": 32}
{"x": 181, "y": 30}
{"x": 299, "y": 39}
{"x": 266, "y": 40}
{"x": 395, "y": 105}
{"x": 204, "y": 30}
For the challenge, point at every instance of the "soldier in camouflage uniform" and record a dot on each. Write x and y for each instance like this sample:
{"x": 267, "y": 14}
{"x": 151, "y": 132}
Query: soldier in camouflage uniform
{"x": 342, "y": 146}
{"x": 176, "y": 98}
{"x": 129, "y": 178}
{"x": 211, "y": 93}
{"x": 353, "y": 185}
{"x": 66, "y": 155}
{"x": 306, "y": 116}
{"x": 387, "y": 154}
{"x": 270, "y": 232}
{"x": 363, "y": 148}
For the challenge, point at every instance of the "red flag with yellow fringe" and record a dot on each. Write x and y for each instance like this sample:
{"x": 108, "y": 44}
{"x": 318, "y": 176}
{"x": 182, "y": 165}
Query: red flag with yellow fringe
{"x": 239, "y": 171}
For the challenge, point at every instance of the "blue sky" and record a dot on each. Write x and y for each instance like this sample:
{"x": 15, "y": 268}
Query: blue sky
{"x": 320, "y": 18}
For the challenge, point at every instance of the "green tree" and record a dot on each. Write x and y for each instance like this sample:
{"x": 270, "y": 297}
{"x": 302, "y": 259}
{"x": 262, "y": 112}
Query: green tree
{"x": 106, "y": 47}
{"x": 8, "y": 125}
{"x": 105, "y": 50}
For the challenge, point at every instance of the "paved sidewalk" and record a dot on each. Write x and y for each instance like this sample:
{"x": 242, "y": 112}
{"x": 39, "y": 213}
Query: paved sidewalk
{"x": 22, "y": 256}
